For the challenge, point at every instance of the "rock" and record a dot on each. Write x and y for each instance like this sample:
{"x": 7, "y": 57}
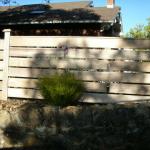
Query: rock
{"x": 1, "y": 139}
{"x": 48, "y": 116}
{"x": 142, "y": 110}
{"x": 31, "y": 140}
{"x": 30, "y": 116}
{"x": 72, "y": 110}
{"x": 48, "y": 110}
{"x": 110, "y": 106}
{"x": 5, "y": 118}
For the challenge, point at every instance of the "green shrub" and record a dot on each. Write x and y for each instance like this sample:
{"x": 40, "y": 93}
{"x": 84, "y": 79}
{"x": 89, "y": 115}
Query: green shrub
{"x": 61, "y": 89}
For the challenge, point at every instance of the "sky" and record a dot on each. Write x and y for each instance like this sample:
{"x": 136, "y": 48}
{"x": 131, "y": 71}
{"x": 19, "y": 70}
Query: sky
{"x": 133, "y": 12}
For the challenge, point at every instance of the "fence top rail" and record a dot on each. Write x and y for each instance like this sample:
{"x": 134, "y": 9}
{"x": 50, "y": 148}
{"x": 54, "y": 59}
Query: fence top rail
{"x": 78, "y": 41}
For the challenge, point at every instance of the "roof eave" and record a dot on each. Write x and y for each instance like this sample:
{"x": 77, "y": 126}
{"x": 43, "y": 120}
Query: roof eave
{"x": 58, "y": 22}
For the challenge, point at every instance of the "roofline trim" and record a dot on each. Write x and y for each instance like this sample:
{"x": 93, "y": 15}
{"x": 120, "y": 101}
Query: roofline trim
{"x": 58, "y": 22}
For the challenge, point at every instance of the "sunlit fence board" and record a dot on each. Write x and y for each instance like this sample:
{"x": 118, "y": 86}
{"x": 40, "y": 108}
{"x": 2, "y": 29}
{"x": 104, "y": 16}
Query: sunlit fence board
{"x": 1, "y": 95}
{"x": 1, "y": 65}
{"x": 58, "y": 63}
{"x": 1, "y": 55}
{"x": 32, "y": 83}
{"x": 87, "y": 97}
{"x": 0, "y": 85}
{"x": 1, "y": 75}
{"x": 70, "y": 41}
{"x": 139, "y": 89}
{"x": 109, "y": 65}
{"x": 110, "y": 75}
{"x": 84, "y": 75}
{"x": 24, "y": 93}
{"x": 112, "y": 98}
{"x": 81, "y": 53}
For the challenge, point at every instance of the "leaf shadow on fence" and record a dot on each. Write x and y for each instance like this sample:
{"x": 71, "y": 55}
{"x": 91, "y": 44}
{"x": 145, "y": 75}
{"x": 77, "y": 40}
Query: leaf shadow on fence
{"x": 110, "y": 74}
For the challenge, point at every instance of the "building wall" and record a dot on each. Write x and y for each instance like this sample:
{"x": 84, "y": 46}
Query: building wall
{"x": 90, "y": 29}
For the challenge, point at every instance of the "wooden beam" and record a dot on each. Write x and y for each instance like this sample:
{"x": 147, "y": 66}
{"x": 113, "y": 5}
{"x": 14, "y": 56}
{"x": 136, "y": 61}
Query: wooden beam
{"x": 70, "y": 41}
{"x": 6, "y": 63}
{"x": 80, "y": 53}
{"x": 112, "y": 98}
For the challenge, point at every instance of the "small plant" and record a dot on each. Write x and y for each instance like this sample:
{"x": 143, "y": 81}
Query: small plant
{"x": 61, "y": 89}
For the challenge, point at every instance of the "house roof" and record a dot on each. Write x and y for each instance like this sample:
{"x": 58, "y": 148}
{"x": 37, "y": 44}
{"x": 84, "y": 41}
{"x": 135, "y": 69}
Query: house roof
{"x": 73, "y": 12}
{"x": 71, "y": 5}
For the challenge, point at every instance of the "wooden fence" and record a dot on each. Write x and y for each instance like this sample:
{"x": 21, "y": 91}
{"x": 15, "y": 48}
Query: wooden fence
{"x": 110, "y": 68}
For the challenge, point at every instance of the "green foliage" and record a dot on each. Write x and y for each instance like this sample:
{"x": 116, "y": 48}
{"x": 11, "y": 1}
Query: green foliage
{"x": 60, "y": 89}
{"x": 140, "y": 31}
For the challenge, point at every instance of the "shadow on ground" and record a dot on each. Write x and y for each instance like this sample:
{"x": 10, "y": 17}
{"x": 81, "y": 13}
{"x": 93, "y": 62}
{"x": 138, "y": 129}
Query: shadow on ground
{"x": 97, "y": 127}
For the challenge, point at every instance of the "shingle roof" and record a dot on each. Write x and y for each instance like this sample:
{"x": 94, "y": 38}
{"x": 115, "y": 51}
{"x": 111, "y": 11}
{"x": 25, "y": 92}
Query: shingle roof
{"x": 57, "y": 13}
{"x": 71, "y": 5}
{"x": 64, "y": 5}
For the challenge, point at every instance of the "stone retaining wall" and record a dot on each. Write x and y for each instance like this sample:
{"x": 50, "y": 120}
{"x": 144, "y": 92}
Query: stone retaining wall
{"x": 76, "y": 127}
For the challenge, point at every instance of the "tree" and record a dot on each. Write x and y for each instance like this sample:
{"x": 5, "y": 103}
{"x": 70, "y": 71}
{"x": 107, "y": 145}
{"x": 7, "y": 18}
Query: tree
{"x": 47, "y": 1}
{"x": 140, "y": 31}
{"x": 5, "y": 2}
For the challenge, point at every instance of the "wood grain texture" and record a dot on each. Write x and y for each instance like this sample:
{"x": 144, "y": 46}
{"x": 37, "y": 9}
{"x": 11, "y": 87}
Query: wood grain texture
{"x": 86, "y": 64}
{"x": 87, "y": 97}
{"x": 80, "y": 53}
{"x": 79, "y": 64}
{"x": 58, "y": 63}
{"x": 84, "y": 75}
{"x": 32, "y": 83}
{"x": 1, "y": 55}
{"x": 112, "y": 98}
{"x": 1, "y": 65}
{"x": 24, "y": 93}
{"x": 0, "y": 86}
{"x": 70, "y": 41}
{"x": 1, "y": 98}
{"x": 5, "y": 63}
{"x": 139, "y": 89}
{"x": 1, "y": 75}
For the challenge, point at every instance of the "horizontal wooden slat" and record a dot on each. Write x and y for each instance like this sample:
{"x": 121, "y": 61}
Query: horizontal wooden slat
{"x": 1, "y": 75}
{"x": 58, "y": 63}
{"x": 1, "y": 44}
{"x": 24, "y": 83}
{"x": 130, "y": 89}
{"x": 29, "y": 72}
{"x": 0, "y": 85}
{"x": 1, "y": 65}
{"x": 1, "y": 95}
{"x": 81, "y": 53}
{"x": 112, "y": 98}
{"x": 128, "y": 66}
{"x": 24, "y": 93}
{"x": 32, "y": 83}
{"x": 87, "y": 97}
{"x": 95, "y": 87}
{"x": 79, "y": 63}
{"x": 1, "y": 55}
{"x": 90, "y": 86}
{"x": 77, "y": 41}
{"x": 85, "y": 75}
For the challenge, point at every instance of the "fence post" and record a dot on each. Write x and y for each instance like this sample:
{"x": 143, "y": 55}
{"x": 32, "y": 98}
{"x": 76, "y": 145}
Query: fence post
{"x": 5, "y": 63}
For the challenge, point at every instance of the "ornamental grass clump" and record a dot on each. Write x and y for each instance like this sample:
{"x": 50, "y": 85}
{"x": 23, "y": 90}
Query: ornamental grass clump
{"x": 61, "y": 89}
